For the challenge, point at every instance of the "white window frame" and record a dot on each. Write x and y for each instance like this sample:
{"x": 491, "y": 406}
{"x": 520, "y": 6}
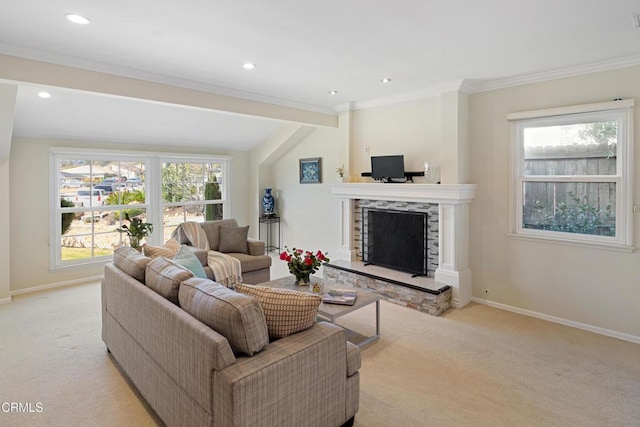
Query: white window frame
{"x": 620, "y": 111}
{"x": 153, "y": 193}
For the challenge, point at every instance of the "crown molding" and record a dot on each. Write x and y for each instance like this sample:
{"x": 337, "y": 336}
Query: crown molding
{"x": 70, "y": 61}
{"x": 476, "y": 86}
{"x": 429, "y": 92}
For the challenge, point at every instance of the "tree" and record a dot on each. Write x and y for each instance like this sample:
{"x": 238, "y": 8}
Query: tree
{"x": 212, "y": 192}
{"x": 600, "y": 132}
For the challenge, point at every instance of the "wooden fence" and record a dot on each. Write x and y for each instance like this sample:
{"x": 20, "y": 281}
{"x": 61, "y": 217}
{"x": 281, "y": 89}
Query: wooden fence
{"x": 542, "y": 199}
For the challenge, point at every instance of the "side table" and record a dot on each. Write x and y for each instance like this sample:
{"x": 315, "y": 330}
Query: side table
{"x": 269, "y": 222}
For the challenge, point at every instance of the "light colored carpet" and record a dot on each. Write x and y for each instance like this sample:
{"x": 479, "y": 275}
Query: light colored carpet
{"x": 478, "y": 366}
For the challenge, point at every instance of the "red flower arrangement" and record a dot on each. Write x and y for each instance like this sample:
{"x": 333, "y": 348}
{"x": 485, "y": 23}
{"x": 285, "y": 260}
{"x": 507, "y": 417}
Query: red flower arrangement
{"x": 302, "y": 263}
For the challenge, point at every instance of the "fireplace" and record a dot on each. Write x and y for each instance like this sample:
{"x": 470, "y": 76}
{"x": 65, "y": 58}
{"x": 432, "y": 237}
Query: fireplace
{"x": 450, "y": 247}
{"x": 395, "y": 239}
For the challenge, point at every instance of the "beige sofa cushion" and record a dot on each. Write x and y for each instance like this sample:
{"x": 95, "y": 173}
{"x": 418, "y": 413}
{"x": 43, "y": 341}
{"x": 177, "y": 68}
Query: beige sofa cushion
{"x": 286, "y": 311}
{"x": 237, "y": 317}
{"x": 131, "y": 262}
{"x": 164, "y": 277}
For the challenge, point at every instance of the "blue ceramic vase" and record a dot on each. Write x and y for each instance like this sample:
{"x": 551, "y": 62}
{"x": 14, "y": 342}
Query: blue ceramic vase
{"x": 268, "y": 203}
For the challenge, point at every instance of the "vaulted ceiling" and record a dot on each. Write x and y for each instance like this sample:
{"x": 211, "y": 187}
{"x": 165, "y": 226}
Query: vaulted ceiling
{"x": 302, "y": 51}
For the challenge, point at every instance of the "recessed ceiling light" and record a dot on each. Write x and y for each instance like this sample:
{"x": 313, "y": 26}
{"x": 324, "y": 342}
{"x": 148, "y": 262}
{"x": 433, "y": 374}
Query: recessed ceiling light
{"x": 44, "y": 95}
{"x": 77, "y": 19}
{"x": 333, "y": 92}
{"x": 248, "y": 66}
{"x": 385, "y": 80}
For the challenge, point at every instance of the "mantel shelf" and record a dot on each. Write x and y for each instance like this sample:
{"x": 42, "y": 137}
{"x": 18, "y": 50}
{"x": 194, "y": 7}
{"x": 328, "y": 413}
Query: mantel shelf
{"x": 407, "y": 192}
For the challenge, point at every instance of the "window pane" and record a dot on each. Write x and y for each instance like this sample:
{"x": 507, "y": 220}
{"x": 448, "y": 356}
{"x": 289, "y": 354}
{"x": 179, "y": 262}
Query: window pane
{"x": 577, "y": 149}
{"x": 172, "y": 216}
{"x": 213, "y": 211}
{"x": 570, "y": 207}
{"x": 78, "y": 243}
{"x": 176, "y": 215}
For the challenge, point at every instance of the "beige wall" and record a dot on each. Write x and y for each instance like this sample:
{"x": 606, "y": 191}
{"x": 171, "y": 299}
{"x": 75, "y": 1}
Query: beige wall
{"x": 309, "y": 212}
{"x": 5, "y": 226}
{"x": 412, "y": 129}
{"x": 595, "y": 287}
{"x": 29, "y": 207}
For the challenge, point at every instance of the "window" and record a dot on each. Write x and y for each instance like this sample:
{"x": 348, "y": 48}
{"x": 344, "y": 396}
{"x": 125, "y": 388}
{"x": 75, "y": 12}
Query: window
{"x": 572, "y": 174}
{"x": 93, "y": 192}
{"x": 191, "y": 191}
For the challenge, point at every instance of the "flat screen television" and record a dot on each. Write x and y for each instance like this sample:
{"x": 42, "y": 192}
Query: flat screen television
{"x": 387, "y": 168}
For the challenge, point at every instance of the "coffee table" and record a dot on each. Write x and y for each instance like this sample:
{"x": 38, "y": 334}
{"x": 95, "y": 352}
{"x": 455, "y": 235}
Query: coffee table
{"x": 331, "y": 312}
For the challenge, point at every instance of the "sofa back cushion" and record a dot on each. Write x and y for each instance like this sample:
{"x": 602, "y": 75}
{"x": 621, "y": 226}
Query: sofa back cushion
{"x": 131, "y": 262}
{"x": 235, "y": 316}
{"x": 286, "y": 311}
{"x": 164, "y": 277}
{"x": 212, "y": 229}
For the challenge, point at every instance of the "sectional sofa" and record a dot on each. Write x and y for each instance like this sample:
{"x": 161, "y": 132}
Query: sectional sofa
{"x": 200, "y": 354}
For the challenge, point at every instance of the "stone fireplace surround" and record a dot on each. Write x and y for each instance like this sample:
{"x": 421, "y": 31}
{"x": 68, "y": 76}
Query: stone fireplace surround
{"x": 453, "y": 225}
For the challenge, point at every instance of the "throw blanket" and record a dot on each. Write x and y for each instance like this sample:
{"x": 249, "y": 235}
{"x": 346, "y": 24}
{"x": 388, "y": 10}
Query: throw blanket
{"x": 226, "y": 269}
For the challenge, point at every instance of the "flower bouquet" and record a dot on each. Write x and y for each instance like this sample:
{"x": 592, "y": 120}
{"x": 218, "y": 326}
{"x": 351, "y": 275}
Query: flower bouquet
{"x": 302, "y": 264}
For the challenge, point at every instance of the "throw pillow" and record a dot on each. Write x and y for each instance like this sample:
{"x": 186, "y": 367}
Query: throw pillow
{"x": 186, "y": 258}
{"x": 235, "y": 316}
{"x": 234, "y": 239}
{"x": 286, "y": 311}
{"x": 168, "y": 250}
{"x": 131, "y": 262}
{"x": 164, "y": 277}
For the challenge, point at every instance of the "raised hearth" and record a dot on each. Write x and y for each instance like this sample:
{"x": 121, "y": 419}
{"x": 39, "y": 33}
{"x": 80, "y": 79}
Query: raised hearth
{"x": 453, "y": 225}
{"x": 419, "y": 293}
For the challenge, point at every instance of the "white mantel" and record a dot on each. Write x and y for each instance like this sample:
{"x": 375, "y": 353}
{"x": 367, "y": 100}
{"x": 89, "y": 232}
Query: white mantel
{"x": 453, "y": 201}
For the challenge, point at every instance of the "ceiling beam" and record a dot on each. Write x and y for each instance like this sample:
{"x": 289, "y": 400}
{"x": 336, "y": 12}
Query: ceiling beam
{"x": 20, "y": 70}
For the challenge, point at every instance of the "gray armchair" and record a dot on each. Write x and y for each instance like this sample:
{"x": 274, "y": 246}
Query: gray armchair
{"x": 256, "y": 265}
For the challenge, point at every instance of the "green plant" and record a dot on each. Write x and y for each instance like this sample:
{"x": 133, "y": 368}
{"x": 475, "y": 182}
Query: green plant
{"x": 137, "y": 230}
{"x": 576, "y": 216}
{"x": 67, "y": 217}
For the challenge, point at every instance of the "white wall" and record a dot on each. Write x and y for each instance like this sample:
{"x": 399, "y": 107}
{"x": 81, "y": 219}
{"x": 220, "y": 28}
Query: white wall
{"x": 309, "y": 213}
{"x": 594, "y": 287}
{"x": 412, "y": 129}
{"x": 5, "y": 226}
{"x": 29, "y": 207}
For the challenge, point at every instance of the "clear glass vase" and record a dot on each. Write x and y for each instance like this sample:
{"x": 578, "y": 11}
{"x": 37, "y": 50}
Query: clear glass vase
{"x": 303, "y": 279}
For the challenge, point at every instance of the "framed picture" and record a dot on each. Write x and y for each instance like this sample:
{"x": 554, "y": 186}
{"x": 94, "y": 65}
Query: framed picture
{"x": 311, "y": 171}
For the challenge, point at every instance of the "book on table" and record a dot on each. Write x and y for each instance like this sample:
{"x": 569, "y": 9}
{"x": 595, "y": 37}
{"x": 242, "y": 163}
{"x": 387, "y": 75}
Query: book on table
{"x": 340, "y": 296}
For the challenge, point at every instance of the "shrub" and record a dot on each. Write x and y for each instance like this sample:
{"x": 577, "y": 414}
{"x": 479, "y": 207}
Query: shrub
{"x": 125, "y": 198}
{"x": 576, "y": 216}
{"x": 67, "y": 217}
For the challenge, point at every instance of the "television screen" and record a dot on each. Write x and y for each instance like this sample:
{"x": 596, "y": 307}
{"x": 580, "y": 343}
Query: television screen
{"x": 387, "y": 167}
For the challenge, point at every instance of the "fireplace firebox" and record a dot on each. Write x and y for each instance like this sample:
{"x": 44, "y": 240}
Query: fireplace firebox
{"x": 395, "y": 239}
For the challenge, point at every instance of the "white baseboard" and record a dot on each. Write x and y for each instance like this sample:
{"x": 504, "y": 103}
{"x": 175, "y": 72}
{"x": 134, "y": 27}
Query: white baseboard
{"x": 5, "y": 300}
{"x": 55, "y": 285}
{"x": 578, "y": 325}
